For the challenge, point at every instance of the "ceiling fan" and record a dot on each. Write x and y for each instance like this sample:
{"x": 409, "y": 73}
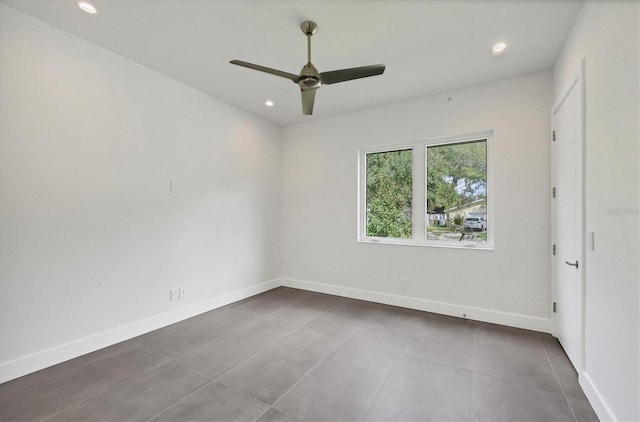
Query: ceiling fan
{"x": 309, "y": 78}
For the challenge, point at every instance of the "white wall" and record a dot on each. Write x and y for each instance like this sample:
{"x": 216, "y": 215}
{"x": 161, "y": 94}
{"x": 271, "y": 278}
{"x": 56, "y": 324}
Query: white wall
{"x": 606, "y": 36}
{"x": 91, "y": 239}
{"x": 508, "y": 285}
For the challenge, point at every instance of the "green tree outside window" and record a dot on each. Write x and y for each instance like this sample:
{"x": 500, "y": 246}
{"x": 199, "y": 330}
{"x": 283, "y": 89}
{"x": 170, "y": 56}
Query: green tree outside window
{"x": 389, "y": 193}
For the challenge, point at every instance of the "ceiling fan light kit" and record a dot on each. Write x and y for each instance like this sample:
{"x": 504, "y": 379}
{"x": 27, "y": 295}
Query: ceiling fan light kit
{"x": 309, "y": 79}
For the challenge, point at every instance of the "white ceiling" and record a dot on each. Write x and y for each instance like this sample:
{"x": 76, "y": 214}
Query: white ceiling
{"x": 429, "y": 46}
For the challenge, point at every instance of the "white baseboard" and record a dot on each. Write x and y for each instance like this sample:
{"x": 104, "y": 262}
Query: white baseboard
{"x": 479, "y": 314}
{"x": 45, "y": 358}
{"x": 596, "y": 400}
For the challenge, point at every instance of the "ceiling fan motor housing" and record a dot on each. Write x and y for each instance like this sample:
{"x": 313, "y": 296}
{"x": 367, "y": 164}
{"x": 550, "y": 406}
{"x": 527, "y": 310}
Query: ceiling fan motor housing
{"x": 309, "y": 77}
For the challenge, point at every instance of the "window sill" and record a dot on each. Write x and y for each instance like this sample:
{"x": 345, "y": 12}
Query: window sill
{"x": 441, "y": 244}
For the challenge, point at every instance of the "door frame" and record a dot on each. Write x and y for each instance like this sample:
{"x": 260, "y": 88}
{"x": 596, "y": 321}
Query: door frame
{"x": 577, "y": 81}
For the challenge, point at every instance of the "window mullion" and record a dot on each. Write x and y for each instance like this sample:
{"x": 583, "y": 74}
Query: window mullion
{"x": 418, "y": 189}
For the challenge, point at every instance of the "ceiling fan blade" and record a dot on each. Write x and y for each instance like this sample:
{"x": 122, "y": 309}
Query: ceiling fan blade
{"x": 308, "y": 98}
{"x": 265, "y": 69}
{"x": 343, "y": 75}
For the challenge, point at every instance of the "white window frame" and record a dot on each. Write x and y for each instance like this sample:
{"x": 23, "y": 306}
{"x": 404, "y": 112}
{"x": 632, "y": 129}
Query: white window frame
{"x": 419, "y": 200}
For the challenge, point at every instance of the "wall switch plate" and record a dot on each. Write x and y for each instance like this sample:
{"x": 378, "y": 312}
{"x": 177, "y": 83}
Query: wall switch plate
{"x": 174, "y": 294}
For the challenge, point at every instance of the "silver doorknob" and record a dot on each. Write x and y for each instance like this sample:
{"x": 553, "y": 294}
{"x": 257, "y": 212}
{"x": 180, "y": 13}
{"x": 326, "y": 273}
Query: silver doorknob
{"x": 573, "y": 264}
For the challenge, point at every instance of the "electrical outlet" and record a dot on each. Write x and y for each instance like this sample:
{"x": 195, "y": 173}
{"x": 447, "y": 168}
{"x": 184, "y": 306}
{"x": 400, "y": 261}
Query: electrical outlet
{"x": 181, "y": 292}
{"x": 406, "y": 284}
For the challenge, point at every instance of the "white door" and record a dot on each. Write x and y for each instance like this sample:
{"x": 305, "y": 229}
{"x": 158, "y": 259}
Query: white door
{"x": 567, "y": 117}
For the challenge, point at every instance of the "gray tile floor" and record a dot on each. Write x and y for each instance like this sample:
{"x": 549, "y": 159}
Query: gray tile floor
{"x": 292, "y": 355}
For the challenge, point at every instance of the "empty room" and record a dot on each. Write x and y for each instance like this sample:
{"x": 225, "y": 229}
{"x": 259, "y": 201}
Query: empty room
{"x": 438, "y": 220}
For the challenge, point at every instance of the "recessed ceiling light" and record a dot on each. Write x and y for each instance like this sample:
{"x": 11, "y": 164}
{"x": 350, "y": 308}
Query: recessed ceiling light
{"x": 498, "y": 48}
{"x": 87, "y": 7}
{"x": 269, "y": 103}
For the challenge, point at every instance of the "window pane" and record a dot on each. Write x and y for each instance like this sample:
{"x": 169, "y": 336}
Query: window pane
{"x": 388, "y": 197}
{"x": 457, "y": 191}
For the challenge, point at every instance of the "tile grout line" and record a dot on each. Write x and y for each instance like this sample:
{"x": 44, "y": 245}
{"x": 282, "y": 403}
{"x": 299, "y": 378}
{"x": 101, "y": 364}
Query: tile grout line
{"x": 180, "y": 401}
{"x": 473, "y": 360}
{"x": 223, "y": 335}
{"x": 173, "y": 360}
{"x": 190, "y": 324}
{"x": 386, "y": 379}
{"x": 169, "y": 330}
{"x": 147, "y": 344}
{"x": 323, "y": 359}
{"x": 430, "y": 358}
{"x": 263, "y": 413}
{"x": 231, "y": 387}
{"x": 49, "y": 416}
{"x": 258, "y": 318}
{"x": 194, "y": 370}
{"x": 217, "y": 379}
{"x": 212, "y": 380}
{"x": 557, "y": 379}
{"x": 323, "y": 312}
{"x": 403, "y": 351}
{"x": 143, "y": 345}
{"x": 106, "y": 390}
{"x": 434, "y": 360}
{"x": 65, "y": 371}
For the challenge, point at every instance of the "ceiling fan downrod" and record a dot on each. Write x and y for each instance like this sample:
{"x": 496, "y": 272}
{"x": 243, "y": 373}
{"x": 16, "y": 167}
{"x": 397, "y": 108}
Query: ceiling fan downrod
{"x": 309, "y": 28}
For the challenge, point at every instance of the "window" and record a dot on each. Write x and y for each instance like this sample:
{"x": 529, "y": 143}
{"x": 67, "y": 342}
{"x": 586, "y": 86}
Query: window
{"x": 427, "y": 193}
{"x": 389, "y": 193}
{"x": 457, "y": 191}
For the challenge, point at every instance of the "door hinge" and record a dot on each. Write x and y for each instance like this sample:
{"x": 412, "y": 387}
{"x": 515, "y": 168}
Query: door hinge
{"x": 554, "y": 191}
{"x": 554, "y": 249}
{"x": 555, "y": 308}
{"x": 554, "y": 135}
